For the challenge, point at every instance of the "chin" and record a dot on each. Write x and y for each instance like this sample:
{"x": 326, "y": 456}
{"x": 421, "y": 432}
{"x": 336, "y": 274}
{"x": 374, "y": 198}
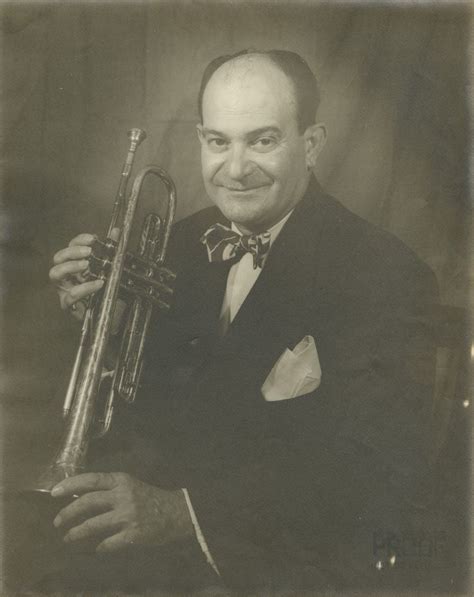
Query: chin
{"x": 244, "y": 211}
{"x": 240, "y": 214}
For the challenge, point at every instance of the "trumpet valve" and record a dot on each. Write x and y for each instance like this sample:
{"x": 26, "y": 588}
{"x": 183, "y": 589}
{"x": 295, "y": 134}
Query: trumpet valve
{"x": 141, "y": 277}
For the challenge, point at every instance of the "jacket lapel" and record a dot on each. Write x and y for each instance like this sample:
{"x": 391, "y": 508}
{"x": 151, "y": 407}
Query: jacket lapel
{"x": 200, "y": 287}
{"x": 277, "y": 306}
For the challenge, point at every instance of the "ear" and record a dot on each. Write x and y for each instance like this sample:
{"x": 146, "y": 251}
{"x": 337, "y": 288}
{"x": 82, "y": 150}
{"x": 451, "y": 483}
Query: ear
{"x": 200, "y": 132}
{"x": 315, "y": 138}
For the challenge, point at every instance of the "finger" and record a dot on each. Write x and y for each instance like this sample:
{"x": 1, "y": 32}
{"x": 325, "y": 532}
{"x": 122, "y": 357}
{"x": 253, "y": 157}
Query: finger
{"x": 115, "y": 234}
{"x": 86, "y": 506}
{"x": 84, "y": 483}
{"x": 83, "y": 239}
{"x": 58, "y": 273}
{"x": 71, "y": 254}
{"x": 78, "y": 310}
{"x": 79, "y": 292}
{"x": 83, "y": 276}
{"x": 95, "y": 527}
{"x": 115, "y": 542}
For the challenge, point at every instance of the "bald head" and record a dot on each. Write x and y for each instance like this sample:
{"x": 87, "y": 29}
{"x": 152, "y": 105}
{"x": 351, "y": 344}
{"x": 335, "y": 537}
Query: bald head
{"x": 254, "y": 77}
{"x": 298, "y": 84}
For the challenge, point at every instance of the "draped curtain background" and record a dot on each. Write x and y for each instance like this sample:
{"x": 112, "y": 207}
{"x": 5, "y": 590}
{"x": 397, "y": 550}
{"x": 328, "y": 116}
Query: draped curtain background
{"x": 77, "y": 75}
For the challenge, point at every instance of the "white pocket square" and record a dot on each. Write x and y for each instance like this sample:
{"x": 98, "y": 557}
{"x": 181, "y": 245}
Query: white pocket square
{"x": 297, "y": 372}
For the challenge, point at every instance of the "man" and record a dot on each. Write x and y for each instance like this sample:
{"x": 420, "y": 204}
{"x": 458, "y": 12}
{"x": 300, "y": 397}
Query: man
{"x": 286, "y": 401}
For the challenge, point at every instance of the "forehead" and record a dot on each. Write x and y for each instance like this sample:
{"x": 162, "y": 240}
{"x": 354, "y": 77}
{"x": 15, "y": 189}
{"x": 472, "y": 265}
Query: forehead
{"x": 247, "y": 89}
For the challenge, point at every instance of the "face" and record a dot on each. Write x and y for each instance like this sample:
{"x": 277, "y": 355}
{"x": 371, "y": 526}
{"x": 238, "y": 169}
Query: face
{"x": 254, "y": 160}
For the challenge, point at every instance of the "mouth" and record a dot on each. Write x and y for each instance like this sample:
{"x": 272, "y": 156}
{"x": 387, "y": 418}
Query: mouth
{"x": 244, "y": 191}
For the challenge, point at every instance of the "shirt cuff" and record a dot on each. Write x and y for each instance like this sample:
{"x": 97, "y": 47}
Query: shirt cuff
{"x": 199, "y": 535}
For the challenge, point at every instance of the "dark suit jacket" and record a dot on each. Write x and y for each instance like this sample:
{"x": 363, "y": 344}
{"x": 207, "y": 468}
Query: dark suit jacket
{"x": 291, "y": 493}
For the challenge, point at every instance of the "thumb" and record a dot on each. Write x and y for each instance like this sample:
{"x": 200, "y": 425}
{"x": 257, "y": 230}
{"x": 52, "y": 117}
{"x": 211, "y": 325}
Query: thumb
{"x": 115, "y": 234}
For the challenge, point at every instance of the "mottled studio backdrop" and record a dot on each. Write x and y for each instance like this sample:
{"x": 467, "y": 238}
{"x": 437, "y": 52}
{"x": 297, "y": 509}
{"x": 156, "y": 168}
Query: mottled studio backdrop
{"x": 77, "y": 75}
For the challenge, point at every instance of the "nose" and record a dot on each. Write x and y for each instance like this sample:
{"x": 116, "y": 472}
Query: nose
{"x": 238, "y": 165}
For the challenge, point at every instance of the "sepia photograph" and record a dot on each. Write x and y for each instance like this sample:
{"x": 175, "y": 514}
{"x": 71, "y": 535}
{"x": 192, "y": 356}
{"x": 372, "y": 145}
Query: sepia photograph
{"x": 236, "y": 280}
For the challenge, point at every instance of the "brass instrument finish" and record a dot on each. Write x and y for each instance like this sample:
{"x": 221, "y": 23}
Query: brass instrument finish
{"x": 146, "y": 280}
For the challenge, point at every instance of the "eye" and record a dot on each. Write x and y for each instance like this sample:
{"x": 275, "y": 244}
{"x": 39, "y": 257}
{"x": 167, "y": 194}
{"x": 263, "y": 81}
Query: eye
{"x": 263, "y": 144}
{"x": 217, "y": 144}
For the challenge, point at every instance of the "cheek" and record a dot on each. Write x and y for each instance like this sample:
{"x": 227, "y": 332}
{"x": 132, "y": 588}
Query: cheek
{"x": 278, "y": 164}
{"x": 210, "y": 164}
{"x": 289, "y": 168}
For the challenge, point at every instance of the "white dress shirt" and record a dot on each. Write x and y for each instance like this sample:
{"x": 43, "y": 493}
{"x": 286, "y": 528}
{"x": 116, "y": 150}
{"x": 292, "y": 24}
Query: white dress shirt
{"x": 240, "y": 280}
{"x": 242, "y": 276}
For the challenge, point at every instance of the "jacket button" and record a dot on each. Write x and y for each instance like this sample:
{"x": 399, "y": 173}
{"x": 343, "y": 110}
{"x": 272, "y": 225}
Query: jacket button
{"x": 194, "y": 342}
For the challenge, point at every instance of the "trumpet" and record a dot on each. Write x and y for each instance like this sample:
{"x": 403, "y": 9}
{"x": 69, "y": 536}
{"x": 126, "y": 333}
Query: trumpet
{"x": 145, "y": 279}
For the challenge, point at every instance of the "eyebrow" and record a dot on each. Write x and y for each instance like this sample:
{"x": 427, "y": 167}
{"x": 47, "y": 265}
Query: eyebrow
{"x": 255, "y": 133}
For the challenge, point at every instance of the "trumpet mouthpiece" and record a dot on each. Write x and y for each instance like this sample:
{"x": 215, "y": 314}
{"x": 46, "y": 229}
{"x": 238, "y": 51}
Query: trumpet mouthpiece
{"x": 136, "y": 136}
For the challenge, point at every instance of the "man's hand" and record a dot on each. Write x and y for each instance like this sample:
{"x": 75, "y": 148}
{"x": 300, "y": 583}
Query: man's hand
{"x": 69, "y": 274}
{"x": 116, "y": 511}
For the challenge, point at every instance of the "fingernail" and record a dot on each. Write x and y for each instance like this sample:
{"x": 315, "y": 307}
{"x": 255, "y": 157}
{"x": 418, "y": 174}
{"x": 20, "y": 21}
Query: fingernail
{"x": 86, "y": 251}
{"x": 57, "y": 521}
{"x": 66, "y": 538}
{"x": 57, "y": 491}
{"x": 84, "y": 263}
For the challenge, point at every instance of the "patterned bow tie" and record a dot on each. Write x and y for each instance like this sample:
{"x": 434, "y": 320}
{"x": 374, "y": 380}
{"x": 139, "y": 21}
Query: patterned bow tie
{"x": 222, "y": 244}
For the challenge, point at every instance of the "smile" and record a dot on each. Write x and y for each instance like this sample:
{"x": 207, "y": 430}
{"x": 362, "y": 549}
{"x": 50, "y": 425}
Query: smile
{"x": 244, "y": 191}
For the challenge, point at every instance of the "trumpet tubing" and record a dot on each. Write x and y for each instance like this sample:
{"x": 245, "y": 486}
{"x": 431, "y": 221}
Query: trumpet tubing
{"x": 145, "y": 278}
